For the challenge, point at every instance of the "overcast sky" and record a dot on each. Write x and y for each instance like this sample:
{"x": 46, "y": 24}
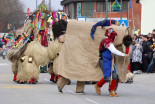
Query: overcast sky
{"x": 55, "y": 4}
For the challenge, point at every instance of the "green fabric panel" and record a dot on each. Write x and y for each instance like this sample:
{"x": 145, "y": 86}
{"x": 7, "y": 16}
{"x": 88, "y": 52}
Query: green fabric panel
{"x": 44, "y": 26}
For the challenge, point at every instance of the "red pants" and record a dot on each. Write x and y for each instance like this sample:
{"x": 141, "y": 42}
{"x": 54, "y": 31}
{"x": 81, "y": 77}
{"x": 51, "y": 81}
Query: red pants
{"x": 54, "y": 77}
{"x": 111, "y": 85}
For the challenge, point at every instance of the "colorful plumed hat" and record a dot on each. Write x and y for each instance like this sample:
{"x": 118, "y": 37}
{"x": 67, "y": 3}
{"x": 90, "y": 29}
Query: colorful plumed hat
{"x": 110, "y": 33}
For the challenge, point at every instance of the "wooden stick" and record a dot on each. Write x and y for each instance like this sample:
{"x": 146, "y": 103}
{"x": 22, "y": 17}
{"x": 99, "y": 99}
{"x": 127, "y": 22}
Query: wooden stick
{"x": 112, "y": 67}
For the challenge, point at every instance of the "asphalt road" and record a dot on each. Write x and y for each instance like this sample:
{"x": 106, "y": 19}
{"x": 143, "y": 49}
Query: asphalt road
{"x": 141, "y": 91}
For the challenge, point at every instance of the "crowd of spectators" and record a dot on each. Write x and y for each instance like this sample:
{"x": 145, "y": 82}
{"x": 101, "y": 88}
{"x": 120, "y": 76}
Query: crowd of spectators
{"x": 142, "y": 58}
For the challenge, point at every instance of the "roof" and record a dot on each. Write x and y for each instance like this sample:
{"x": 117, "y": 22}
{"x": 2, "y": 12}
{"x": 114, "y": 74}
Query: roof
{"x": 71, "y": 1}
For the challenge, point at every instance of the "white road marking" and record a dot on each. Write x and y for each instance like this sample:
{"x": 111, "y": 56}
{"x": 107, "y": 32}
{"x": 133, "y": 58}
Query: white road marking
{"x": 6, "y": 75}
{"x": 70, "y": 91}
{"x": 87, "y": 99}
{"x": 91, "y": 101}
{"x": 3, "y": 64}
{"x": 46, "y": 79}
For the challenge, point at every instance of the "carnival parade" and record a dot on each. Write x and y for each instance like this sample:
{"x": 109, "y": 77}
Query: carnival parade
{"x": 72, "y": 56}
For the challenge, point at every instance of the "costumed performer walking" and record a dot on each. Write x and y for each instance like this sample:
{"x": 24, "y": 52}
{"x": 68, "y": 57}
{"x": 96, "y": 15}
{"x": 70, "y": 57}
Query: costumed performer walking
{"x": 107, "y": 50}
{"x": 80, "y": 84}
{"x": 59, "y": 30}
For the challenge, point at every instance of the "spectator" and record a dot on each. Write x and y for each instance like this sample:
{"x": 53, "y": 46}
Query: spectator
{"x": 145, "y": 58}
{"x": 135, "y": 37}
{"x": 137, "y": 57}
{"x": 150, "y": 42}
{"x": 153, "y": 32}
{"x": 140, "y": 39}
{"x": 151, "y": 67}
{"x": 133, "y": 43}
{"x": 135, "y": 40}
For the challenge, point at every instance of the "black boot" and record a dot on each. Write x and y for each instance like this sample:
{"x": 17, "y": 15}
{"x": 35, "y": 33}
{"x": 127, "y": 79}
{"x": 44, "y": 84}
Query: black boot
{"x": 60, "y": 90}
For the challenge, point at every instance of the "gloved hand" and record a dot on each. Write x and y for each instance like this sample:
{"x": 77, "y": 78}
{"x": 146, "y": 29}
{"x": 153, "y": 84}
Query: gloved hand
{"x": 91, "y": 34}
{"x": 100, "y": 23}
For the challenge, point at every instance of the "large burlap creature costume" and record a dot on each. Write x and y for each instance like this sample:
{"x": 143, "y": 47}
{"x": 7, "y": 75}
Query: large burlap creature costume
{"x": 78, "y": 59}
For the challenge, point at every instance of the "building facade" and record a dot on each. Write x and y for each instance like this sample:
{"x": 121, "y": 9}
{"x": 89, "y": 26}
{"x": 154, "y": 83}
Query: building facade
{"x": 148, "y": 22}
{"x": 95, "y": 10}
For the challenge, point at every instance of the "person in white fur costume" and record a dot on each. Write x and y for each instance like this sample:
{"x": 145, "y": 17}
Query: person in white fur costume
{"x": 25, "y": 65}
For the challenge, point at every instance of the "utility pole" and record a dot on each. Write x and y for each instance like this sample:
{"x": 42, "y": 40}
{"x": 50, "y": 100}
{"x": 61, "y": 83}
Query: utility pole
{"x": 106, "y": 16}
{"x": 50, "y": 5}
{"x": 121, "y": 11}
{"x": 36, "y": 4}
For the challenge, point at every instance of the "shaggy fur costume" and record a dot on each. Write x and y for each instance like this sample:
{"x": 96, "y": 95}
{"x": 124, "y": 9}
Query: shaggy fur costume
{"x": 58, "y": 28}
{"x": 28, "y": 64}
{"x": 14, "y": 67}
{"x": 53, "y": 52}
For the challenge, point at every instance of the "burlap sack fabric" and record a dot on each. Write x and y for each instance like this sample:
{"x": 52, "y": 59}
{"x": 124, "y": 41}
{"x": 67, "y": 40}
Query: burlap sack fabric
{"x": 78, "y": 59}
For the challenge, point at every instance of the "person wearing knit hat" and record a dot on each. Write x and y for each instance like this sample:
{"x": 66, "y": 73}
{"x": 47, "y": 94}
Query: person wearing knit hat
{"x": 106, "y": 51}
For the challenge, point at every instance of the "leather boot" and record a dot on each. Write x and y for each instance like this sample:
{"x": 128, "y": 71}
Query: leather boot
{"x": 112, "y": 88}
{"x": 97, "y": 88}
{"x": 112, "y": 94}
{"x": 99, "y": 85}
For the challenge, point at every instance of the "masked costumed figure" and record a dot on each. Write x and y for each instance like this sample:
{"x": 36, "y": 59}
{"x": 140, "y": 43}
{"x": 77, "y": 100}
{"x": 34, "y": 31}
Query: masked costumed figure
{"x": 26, "y": 61}
{"x": 27, "y": 55}
{"x": 107, "y": 50}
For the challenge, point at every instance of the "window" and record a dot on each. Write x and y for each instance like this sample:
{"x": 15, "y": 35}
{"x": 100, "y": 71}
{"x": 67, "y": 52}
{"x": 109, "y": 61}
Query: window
{"x": 101, "y": 6}
{"x": 66, "y": 9}
{"x": 79, "y": 9}
{"x": 124, "y": 6}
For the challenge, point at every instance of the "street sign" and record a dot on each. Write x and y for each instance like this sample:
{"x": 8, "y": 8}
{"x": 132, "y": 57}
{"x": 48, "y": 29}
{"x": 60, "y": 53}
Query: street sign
{"x": 81, "y": 18}
{"x": 123, "y": 23}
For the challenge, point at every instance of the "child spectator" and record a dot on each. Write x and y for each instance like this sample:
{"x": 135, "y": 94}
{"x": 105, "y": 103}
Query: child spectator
{"x": 137, "y": 57}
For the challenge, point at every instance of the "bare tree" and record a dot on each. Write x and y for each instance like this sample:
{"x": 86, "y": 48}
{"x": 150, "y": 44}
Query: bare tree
{"x": 11, "y": 12}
